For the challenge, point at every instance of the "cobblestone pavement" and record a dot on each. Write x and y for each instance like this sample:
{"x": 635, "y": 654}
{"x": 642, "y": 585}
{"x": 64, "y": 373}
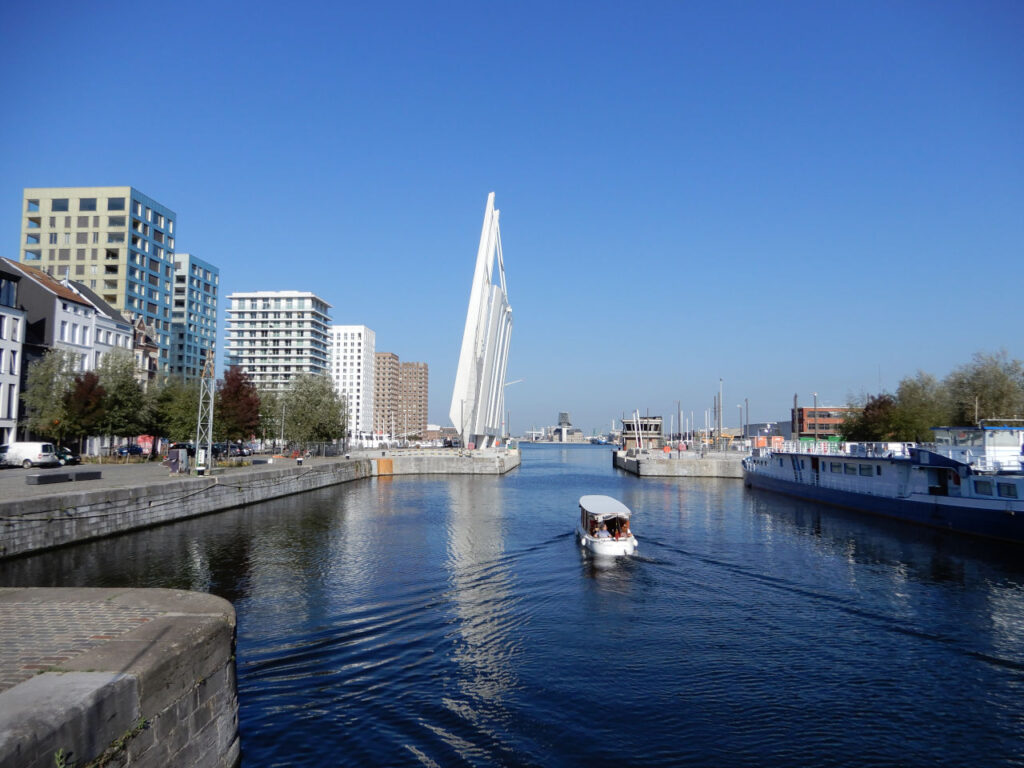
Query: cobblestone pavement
{"x": 35, "y": 636}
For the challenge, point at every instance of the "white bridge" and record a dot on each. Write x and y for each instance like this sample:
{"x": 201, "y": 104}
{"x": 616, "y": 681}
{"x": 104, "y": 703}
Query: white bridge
{"x": 478, "y": 400}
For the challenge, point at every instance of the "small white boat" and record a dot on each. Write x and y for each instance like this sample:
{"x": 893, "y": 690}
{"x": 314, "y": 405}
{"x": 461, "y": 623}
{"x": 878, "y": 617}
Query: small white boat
{"x": 603, "y": 526}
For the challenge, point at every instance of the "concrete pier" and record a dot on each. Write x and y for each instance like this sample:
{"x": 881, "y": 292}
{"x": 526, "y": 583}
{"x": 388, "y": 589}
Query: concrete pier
{"x": 680, "y": 463}
{"x": 141, "y": 677}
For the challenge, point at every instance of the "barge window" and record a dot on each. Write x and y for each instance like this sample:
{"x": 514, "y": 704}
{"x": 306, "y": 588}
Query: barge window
{"x": 850, "y": 469}
{"x": 867, "y": 470}
{"x": 983, "y": 487}
{"x": 1007, "y": 490}
{"x": 878, "y": 470}
{"x": 836, "y": 466}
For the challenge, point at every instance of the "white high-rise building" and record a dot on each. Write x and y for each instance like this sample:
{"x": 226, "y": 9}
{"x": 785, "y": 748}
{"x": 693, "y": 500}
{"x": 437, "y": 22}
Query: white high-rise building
{"x": 351, "y": 364}
{"x": 275, "y": 336}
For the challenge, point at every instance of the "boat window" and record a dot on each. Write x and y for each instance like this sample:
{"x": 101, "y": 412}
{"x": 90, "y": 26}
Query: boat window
{"x": 867, "y": 470}
{"x": 983, "y": 487}
{"x": 878, "y": 469}
{"x": 780, "y": 462}
{"x": 1007, "y": 490}
{"x": 850, "y": 469}
{"x": 836, "y": 466}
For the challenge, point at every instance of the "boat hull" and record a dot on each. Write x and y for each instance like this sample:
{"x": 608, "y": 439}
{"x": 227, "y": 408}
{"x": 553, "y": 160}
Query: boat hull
{"x": 996, "y": 519}
{"x": 607, "y": 547}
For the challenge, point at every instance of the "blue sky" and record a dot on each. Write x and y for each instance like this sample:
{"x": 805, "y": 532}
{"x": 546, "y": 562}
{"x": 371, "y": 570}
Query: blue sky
{"x": 792, "y": 197}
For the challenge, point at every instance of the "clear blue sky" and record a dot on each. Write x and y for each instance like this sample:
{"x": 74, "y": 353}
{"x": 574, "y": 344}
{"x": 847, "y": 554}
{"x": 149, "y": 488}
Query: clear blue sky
{"x": 792, "y": 196}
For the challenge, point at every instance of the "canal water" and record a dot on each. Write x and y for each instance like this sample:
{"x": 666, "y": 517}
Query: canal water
{"x": 453, "y": 621}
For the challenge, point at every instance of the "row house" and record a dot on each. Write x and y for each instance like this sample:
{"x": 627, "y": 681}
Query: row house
{"x": 12, "y": 334}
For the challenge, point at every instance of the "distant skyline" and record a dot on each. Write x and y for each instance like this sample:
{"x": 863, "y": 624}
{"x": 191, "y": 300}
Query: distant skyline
{"x": 795, "y": 197}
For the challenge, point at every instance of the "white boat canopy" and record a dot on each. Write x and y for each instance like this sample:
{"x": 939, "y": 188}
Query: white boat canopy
{"x": 603, "y": 507}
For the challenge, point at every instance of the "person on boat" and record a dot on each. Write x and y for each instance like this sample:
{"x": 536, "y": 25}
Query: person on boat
{"x": 603, "y": 533}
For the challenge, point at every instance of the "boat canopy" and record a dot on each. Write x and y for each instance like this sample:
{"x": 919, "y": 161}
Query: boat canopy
{"x": 603, "y": 507}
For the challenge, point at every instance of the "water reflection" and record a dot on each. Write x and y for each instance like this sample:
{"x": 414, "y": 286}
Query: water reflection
{"x": 480, "y": 590}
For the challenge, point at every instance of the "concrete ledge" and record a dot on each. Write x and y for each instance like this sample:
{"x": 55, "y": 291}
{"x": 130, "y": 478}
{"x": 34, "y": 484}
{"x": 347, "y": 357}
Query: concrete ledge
{"x": 42, "y": 522}
{"x": 160, "y": 694}
{"x": 88, "y": 474}
{"x": 47, "y": 478}
{"x": 690, "y": 465}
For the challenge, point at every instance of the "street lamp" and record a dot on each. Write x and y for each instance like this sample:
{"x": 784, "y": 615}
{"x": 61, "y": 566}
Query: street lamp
{"x": 815, "y": 418}
{"x": 740, "y": 406}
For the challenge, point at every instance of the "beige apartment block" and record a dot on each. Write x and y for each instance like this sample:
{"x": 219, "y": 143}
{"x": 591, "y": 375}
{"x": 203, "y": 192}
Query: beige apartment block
{"x": 400, "y": 395}
{"x": 115, "y": 240}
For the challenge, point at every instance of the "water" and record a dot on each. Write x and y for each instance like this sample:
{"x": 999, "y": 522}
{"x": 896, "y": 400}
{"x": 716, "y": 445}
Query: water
{"x": 453, "y": 621}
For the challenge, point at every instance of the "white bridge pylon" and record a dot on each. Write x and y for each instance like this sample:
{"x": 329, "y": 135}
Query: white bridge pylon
{"x": 478, "y": 400}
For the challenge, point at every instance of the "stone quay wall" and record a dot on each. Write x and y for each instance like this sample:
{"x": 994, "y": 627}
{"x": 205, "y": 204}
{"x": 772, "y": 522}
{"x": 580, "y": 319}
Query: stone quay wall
{"x": 420, "y": 462}
{"x": 688, "y": 464}
{"x": 159, "y": 693}
{"x": 33, "y": 524}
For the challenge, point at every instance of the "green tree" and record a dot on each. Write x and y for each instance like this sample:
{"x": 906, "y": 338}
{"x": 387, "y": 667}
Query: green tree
{"x": 85, "y": 407}
{"x": 236, "y": 411}
{"x": 922, "y": 402}
{"x": 47, "y": 384}
{"x": 314, "y": 412}
{"x": 178, "y": 404}
{"x": 875, "y": 422}
{"x": 125, "y": 401}
{"x": 270, "y": 414}
{"x": 989, "y": 387}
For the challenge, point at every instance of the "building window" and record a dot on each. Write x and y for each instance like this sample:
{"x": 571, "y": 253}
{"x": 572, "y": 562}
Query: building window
{"x": 32, "y": 238}
{"x": 59, "y": 204}
{"x": 87, "y": 204}
{"x": 33, "y": 255}
{"x": 115, "y": 203}
{"x": 115, "y": 221}
{"x": 32, "y": 205}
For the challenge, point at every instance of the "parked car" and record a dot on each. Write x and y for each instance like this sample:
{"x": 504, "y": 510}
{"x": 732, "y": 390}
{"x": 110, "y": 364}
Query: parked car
{"x": 184, "y": 447}
{"x": 129, "y": 450}
{"x": 67, "y": 456}
{"x": 31, "y": 455}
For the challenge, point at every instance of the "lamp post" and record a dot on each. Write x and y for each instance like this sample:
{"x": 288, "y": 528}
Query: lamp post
{"x": 740, "y": 406}
{"x": 815, "y": 418}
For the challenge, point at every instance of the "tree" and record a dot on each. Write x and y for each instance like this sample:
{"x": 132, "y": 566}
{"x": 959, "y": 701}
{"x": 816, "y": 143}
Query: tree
{"x": 125, "y": 401}
{"x": 314, "y": 412}
{"x": 989, "y": 387}
{"x": 47, "y": 384}
{"x": 922, "y": 402}
{"x": 236, "y": 412}
{"x": 85, "y": 407}
{"x": 270, "y": 414}
{"x": 875, "y": 422}
{"x": 178, "y": 404}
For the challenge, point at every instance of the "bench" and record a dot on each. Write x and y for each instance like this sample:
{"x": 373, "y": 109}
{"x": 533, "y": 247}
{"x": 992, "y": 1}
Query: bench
{"x": 45, "y": 478}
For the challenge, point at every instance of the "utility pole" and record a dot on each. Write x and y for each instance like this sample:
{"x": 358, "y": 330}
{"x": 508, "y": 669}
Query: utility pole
{"x": 204, "y": 422}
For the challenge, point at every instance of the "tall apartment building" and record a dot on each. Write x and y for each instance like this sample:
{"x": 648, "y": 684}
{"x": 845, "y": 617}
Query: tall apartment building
{"x": 413, "y": 380}
{"x": 385, "y": 392}
{"x": 352, "y": 362}
{"x": 12, "y": 334}
{"x": 275, "y": 336}
{"x": 194, "y": 316}
{"x": 400, "y": 396}
{"x": 115, "y": 240}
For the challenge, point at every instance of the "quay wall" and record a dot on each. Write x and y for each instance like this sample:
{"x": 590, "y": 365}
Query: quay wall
{"x": 163, "y": 693}
{"x": 428, "y": 463}
{"x": 33, "y": 524}
{"x": 729, "y": 465}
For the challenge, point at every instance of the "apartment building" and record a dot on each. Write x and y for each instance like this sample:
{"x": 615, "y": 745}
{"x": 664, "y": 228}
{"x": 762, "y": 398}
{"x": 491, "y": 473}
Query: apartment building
{"x": 275, "y": 336}
{"x": 385, "y": 392}
{"x": 115, "y": 240}
{"x": 194, "y": 315}
{"x": 400, "y": 392}
{"x": 12, "y": 330}
{"x": 413, "y": 381}
{"x": 352, "y": 371}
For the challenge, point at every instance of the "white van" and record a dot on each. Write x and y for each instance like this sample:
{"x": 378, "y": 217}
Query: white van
{"x": 32, "y": 455}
